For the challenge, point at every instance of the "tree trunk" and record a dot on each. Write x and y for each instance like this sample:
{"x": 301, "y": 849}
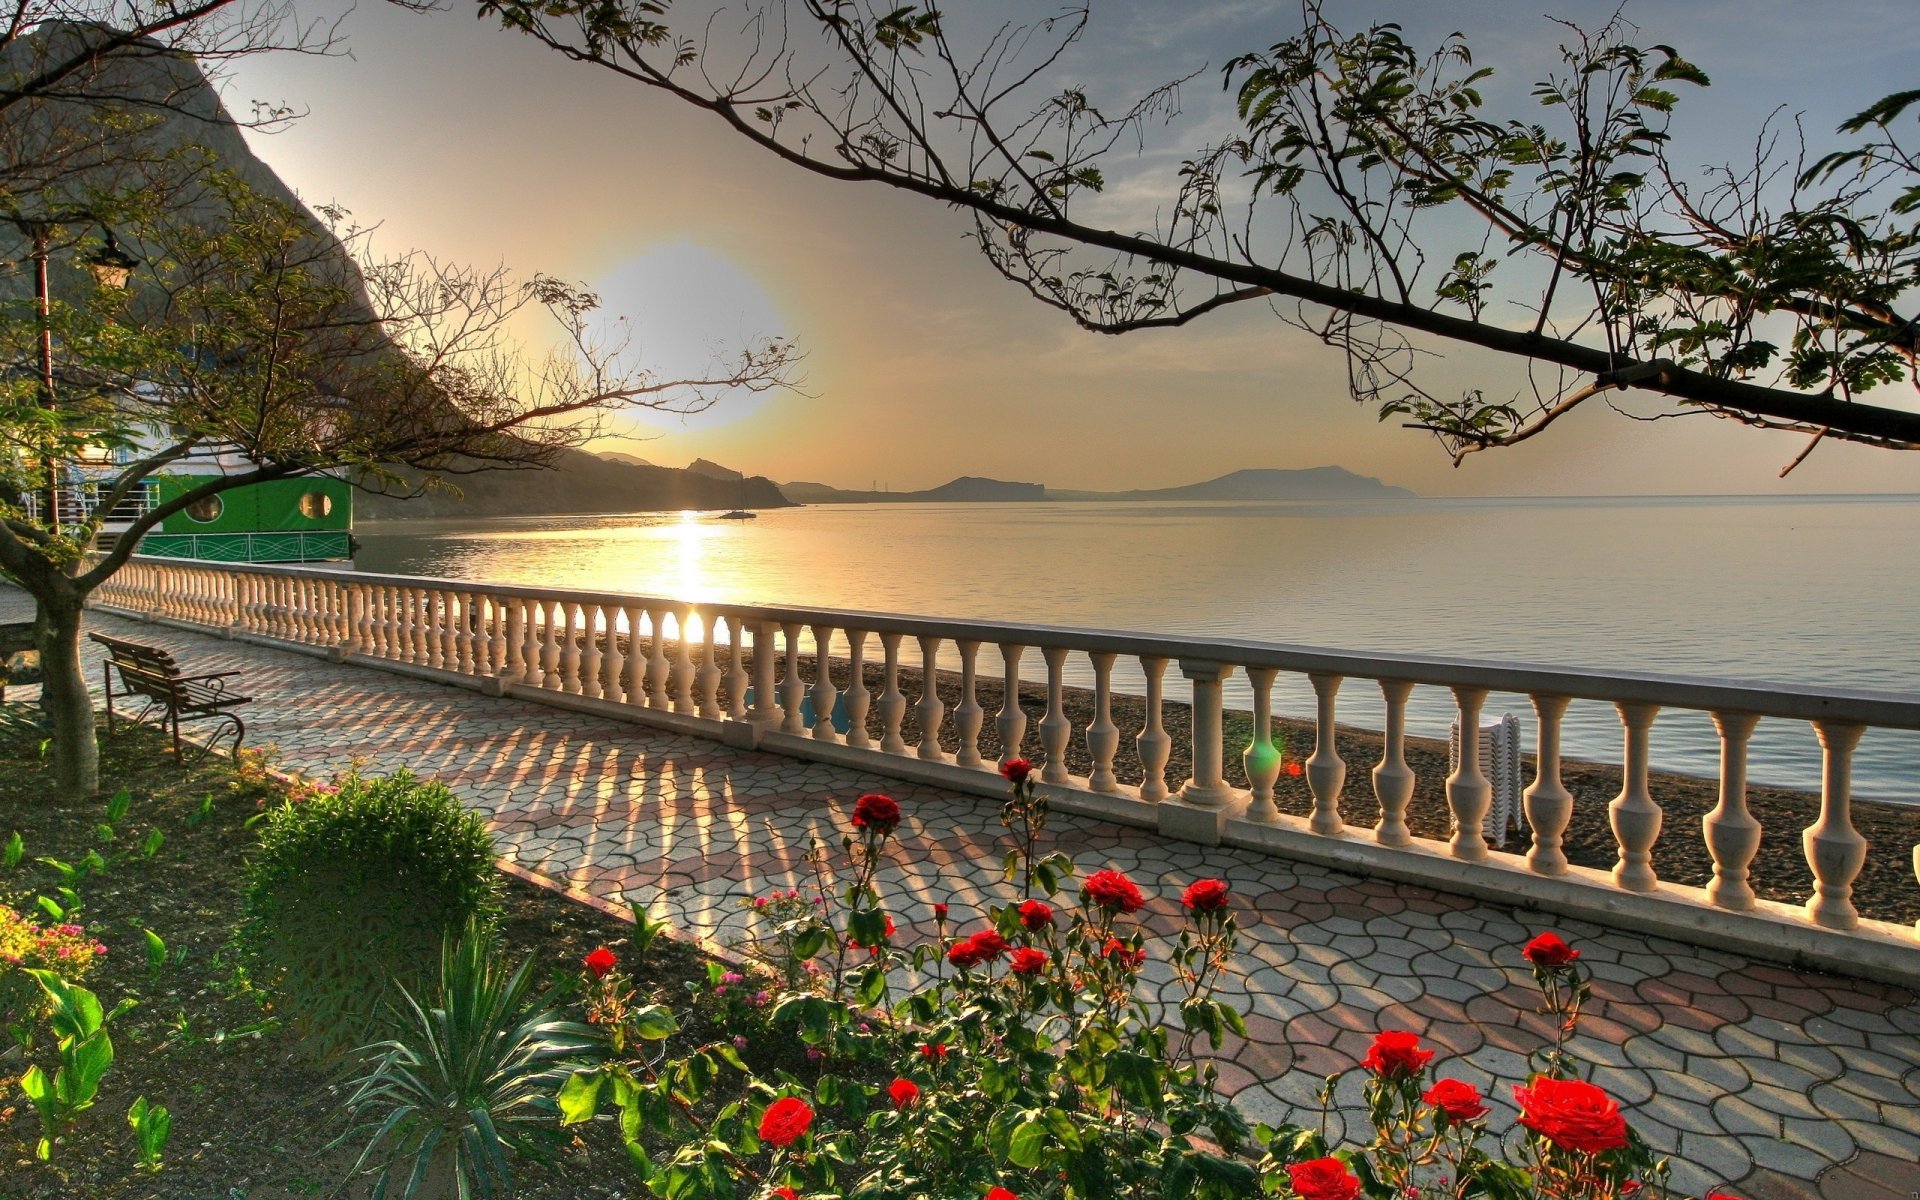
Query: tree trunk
{"x": 63, "y": 691}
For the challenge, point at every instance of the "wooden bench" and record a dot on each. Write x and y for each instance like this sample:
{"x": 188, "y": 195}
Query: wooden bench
{"x": 150, "y": 674}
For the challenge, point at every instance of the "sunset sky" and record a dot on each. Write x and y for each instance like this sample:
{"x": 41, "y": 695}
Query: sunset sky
{"x": 481, "y": 146}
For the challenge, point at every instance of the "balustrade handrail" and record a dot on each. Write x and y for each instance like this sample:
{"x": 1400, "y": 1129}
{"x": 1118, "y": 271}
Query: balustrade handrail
{"x": 1795, "y": 701}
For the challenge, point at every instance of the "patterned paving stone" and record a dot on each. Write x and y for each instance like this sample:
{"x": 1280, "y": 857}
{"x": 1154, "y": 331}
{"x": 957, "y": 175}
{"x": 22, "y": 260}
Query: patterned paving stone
{"x": 1771, "y": 1083}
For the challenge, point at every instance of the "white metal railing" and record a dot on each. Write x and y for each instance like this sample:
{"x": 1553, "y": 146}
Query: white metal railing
{"x": 588, "y": 648}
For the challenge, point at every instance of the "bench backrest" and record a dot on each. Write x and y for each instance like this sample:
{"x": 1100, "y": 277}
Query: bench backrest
{"x": 147, "y": 670}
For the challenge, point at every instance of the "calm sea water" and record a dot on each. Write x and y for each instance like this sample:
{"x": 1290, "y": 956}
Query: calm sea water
{"x": 1809, "y": 590}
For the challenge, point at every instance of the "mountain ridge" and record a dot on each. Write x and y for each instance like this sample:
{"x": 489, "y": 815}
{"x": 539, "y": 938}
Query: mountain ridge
{"x": 1253, "y": 483}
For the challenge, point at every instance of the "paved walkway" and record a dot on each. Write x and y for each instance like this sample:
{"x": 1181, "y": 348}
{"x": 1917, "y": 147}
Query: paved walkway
{"x": 1766, "y": 1082}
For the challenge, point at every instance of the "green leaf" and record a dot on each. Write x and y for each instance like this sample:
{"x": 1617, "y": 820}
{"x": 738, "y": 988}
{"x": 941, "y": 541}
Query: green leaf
{"x": 156, "y": 951}
{"x": 809, "y": 943}
{"x": 152, "y": 845}
{"x": 15, "y": 850}
{"x": 654, "y": 1022}
{"x": 1027, "y": 1146}
{"x": 579, "y": 1096}
{"x": 117, "y": 807}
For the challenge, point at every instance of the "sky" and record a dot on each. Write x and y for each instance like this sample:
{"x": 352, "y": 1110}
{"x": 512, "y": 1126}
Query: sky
{"x": 480, "y": 146}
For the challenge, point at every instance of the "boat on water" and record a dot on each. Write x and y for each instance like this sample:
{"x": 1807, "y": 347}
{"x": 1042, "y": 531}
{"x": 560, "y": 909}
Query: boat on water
{"x": 738, "y": 514}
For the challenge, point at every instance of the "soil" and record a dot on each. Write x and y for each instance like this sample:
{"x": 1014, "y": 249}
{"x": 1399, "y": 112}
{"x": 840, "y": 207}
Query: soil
{"x": 252, "y": 1118}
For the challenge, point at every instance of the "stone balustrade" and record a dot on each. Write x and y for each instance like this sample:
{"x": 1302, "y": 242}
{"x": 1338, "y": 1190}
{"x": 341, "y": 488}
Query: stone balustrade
{"x": 685, "y": 665}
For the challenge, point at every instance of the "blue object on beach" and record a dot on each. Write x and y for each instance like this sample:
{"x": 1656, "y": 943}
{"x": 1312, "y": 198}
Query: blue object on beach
{"x": 840, "y": 722}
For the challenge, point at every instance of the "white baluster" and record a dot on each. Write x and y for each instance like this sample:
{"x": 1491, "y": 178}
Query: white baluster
{"x": 766, "y": 705}
{"x": 358, "y": 627}
{"x": 1469, "y": 795}
{"x": 859, "y": 699}
{"x": 1732, "y": 835}
{"x": 930, "y": 710}
{"x": 1835, "y": 850}
{"x": 968, "y": 716}
{"x": 1392, "y": 778}
{"x": 737, "y": 667}
{"x": 1056, "y": 730}
{"x": 634, "y": 690}
{"x": 657, "y": 696}
{"x": 1208, "y": 787}
{"x": 824, "y": 693}
{"x": 683, "y": 660}
{"x": 893, "y": 705}
{"x": 1103, "y": 736}
{"x": 613, "y": 661}
{"x": 1261, "y": 759}
{"x": 513, "y": 661}
{"x": 1548, "y": 804}
{"x": 592, "y": 657}
{"x": 706, "y": 679}
{"x": 1326, "y": 770}
{"x": 793, "y": 690}
{"x": 1012, "y": 720}
{"x": 1153, "y": 744}
{"x": 574, "y": 632}
{"x": 452, "y": 621}
{"x": 550, "y": 648}
{"x": 1634, "y": 815}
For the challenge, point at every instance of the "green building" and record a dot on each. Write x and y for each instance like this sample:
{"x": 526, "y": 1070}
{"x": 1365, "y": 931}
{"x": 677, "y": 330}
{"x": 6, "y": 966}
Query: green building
{"x": 286, "y": 520}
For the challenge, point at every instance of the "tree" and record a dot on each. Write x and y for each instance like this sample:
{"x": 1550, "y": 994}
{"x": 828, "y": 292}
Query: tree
{"x": 258, "y": 334}
{"x": 1367, "y": 197}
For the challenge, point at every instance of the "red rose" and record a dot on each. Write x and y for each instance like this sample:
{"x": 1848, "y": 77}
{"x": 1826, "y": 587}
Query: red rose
{"x": 981, "y": 947}
{"x": 1572, "y": 1115}
{"x": 786, "y": 1194}
{"x": 903, "y": 1092}
{"x": 1294, "y": 768}
{"x": 933, "y": 1050}
{"x": 1036, "y": 915}
{"x": 999, "y": 1193}
{"x": 1396, "y": 1054}
{"x": 1016, "y": 770}
{"x": 876, "y": 811}
{"x": 600, "y": 962}
{"x": 940, "y": 912}
{"x": 1110, "y": 889}
{"x": 1323, "y": 1179}
{"x": 1461, "y": 1101}
{"x": 1117, "y": 950}
{"x": 1027, "y": 961}
{"x": 1205, "y": 895}
{"x": 1549, "y": 951}
{"x": 784, "y": 1121}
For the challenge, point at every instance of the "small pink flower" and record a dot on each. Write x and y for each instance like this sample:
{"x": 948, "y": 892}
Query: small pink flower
{"x": 739, "y": 1041}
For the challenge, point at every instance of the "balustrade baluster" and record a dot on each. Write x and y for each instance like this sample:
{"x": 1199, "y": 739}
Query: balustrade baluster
{"x": 1732, "y": 835}
{"x": 766, "y": 705}
{"x": 1469, "y": 795}
{"x": 1103, "y": 736}
{"x": 824, "y": 693}
{"x": 592, "y": 657}
{"x": 793, "y": 689}
{"x": 1834, "y": 848}
{"x": 1392, "y": 778}
{"x": 417, "y": 621}
{"x": 968, "y": 716}
{"x": 530, "y": 620}
{"x": 858, "y": 697}
{"x": 893, "y": 705}
{"x": 452, "y": 615}
{"x": 707, "y": 678}
{"x": 1262, "y": 758}
{"x": 358, "y": 629}
{"x": 550, "y": 646}
{"x": 439, "y": 626}
{"x": 1012, "y": 720}
{"x": 930, "y": 710}
{"x": 1153, "y": 744}
{"x": 736, "y": 667}
{"x": 1056, "y": 730}
{"x": 466, "y": 632}
{"x": 1208, "y": 786}
{"x": 657, "y": 695}
{"x": 1633, "y": 814}
{"x": 683, "y": 660}
{"x": 634, "y": 690}
{"x": 1326, "y": 770}
{"x": 613, "y": 660}
{"x": 1548, "y": 804}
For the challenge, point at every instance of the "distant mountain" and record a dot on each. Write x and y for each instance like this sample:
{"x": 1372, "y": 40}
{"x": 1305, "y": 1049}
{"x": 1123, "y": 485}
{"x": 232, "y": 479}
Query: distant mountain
{"x": 967, "y": 489}
{"x": 713, "y": 470}
{"x": 632, "y": 460}
{"x": 579, "y": 483}
{"x": 1312, "y": 483}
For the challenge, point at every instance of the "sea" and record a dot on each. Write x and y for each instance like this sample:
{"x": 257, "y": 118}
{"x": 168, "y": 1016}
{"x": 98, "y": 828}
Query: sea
{"x": 1811, "y": 590}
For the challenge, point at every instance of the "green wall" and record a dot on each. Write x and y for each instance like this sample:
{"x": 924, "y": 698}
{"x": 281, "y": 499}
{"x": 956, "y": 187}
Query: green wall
{"x": 261, "y": 507}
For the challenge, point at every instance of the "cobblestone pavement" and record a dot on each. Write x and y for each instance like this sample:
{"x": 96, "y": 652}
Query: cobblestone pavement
{"x": 1767, "y": 1082}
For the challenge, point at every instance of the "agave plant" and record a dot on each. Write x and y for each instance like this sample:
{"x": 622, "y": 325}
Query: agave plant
{"x": 467, "y": 1082}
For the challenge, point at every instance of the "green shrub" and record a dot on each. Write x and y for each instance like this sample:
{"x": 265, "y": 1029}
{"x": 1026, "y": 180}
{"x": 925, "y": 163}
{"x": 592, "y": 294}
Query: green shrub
{"x": 354, "y": 891}
{"x": 26, "y": 945}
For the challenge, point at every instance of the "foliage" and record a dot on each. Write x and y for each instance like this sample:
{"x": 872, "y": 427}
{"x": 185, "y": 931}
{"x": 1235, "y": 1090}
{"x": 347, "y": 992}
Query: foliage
{"x": 151, "y": 1124}
{"x": 357, "y": 888}
{"x": 1370, "y": 194}
{"x": 85, "y": 1054}
{"x": 468, "y": 1078}
{"x": 27, "y": 946}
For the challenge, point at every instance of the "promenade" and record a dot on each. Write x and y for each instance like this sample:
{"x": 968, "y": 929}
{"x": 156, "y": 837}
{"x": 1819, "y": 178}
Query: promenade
{"x": 1764, "y": 1082}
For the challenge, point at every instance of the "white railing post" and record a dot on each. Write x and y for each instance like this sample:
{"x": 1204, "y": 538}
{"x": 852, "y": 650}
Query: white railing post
{"x": 1261, "y": 759}
{"x": 1730, "y": 830}
{"x": 1154, "y": 744}
{"x": 1634, "y": 815}
{"x": 657, "y": 696}
{"x": 1392, "y": 778}
{"x": 1103, "y": 736}
{"x": 592, "y": 657}
{"x": 1548, "y": 804}
{"x": 968, "y": 716}
{"x": 706, "y": 678}
{"x": 1055, "y": 729}
{"x": 1468, "y": 792}
{"x": 859, "y": 699}
{"x": 1835, "y": 850}
{"x": 930, "y": 710}
{"x": 1011, "y": 723}
{"x": 683, "y": 701}
{"x": 736, "y": 667}
{"x": 793, "y": 689}
{"x": 1208, "y": 786}
{"x": 766, "y": 705}
{"x": 824, "y": 693}
{"x": 893, "y": 705}
{"x": 1326, "y": 770}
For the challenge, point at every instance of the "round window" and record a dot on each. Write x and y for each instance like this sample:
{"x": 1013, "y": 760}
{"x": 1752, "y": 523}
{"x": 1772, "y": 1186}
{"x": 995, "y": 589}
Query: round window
{"x": 315, "y": 505}
{"x": 206, "y": 509}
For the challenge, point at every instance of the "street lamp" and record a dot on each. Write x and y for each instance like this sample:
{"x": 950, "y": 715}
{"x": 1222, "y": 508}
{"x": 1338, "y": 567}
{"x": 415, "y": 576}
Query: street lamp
{"x": 112, "y": 267}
